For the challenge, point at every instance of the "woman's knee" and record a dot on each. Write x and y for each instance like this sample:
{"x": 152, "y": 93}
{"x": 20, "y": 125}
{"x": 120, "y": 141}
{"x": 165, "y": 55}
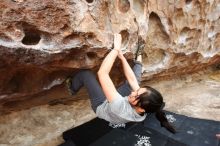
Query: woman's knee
{"x": 86, "y": 73}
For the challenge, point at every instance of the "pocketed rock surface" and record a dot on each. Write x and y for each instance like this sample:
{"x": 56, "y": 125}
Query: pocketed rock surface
{"x": 42, "y": 42}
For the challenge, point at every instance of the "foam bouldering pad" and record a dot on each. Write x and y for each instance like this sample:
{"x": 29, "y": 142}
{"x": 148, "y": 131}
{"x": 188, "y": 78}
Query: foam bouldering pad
{"x": 154, "y": 137}
{"x": 190, "y": 132}
{"x": 68, "y": 143}
{"x": 116, "y": 137}
{"x": 90, "y": 131}
{"x": 136, "y": 136}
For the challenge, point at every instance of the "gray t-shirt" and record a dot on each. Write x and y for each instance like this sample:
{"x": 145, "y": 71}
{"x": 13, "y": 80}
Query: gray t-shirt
{"x": 118, "y": 111}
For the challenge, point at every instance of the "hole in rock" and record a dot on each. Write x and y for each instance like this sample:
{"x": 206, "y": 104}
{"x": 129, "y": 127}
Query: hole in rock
{"x": 89, "y": 1}
{"x": 90, "y": 59}
{"x": 178, "y": 16}
{"x": 156, "y": 42}
{"x": 32, "y": 35}
{"x": 31, "y": 38}
{"x": 73, "y": 37}
{"x": 15, "y": 83}
{"x": 92, "y": 39}
{"x": 90, "y": 35}
{"x": 91, "y": 55}
{"x": 156, "y": 33}
{"x": 123, "y": 5}
{"x": 185, "y": 30}
{"x": 125, "y": 37}
{"x": 188, "y": 1}
{"x": 189, "y": 37}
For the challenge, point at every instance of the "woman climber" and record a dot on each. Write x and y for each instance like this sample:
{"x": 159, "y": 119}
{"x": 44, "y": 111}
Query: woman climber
{"x": 129, "y": 102}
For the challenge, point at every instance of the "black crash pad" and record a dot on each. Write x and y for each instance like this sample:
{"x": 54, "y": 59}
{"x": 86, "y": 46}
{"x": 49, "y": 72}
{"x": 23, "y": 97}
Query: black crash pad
{"x": 116, "y": 137}
{"x": 89, "y": 132}
{"x": 68, "y": 143}
{"x": 190, "y": 132}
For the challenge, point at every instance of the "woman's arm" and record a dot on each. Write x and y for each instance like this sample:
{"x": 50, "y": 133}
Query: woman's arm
{"x": 129, "y": 74}
{"x": 103, "y": 73}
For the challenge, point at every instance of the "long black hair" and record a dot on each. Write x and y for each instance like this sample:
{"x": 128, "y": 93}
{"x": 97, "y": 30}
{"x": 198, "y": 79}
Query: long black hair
{"x": 152, "y": 102}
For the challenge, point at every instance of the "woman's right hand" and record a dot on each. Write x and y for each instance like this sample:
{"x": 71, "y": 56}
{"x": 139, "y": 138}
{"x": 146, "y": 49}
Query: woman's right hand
{"x": 117, "y": 41}
{"x": 117, "y": 45}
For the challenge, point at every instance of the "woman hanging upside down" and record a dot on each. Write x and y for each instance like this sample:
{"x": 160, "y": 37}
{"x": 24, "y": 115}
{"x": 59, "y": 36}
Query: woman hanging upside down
{"x": 129, "y": 102}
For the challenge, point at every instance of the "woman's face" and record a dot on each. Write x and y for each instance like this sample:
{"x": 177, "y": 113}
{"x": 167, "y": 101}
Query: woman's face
{"x": 133, "y": 97}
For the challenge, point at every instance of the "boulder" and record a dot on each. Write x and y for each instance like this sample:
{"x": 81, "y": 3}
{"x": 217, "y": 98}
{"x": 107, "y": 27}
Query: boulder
{"x": 43, "y": 42}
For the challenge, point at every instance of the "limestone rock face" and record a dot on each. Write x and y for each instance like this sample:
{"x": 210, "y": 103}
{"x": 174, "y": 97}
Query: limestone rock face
{"x": 44, "y": 41}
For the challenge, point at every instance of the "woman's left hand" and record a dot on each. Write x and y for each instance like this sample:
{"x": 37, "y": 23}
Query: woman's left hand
{"x": 132, "y": 98}
{"x": 120, "y": 55}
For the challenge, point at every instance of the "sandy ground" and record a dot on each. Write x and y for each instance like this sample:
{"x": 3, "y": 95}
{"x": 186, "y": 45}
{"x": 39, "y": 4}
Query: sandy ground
{"x": 197, "y": 95}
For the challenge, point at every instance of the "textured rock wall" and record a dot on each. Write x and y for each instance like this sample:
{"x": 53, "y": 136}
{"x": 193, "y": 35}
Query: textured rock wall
{"x": 42, "y": 42}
